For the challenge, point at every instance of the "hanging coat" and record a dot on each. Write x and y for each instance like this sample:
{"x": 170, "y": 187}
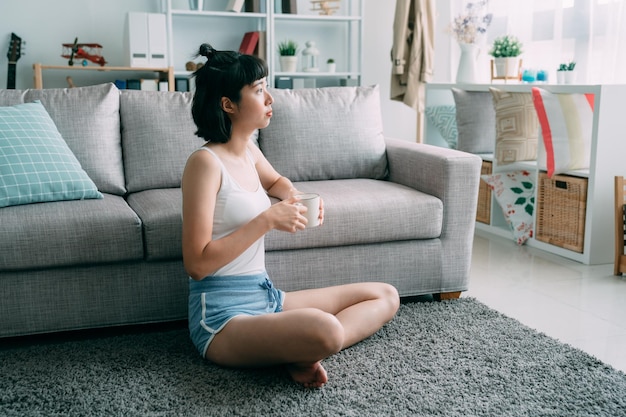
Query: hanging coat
{"x": 413, "y": 51}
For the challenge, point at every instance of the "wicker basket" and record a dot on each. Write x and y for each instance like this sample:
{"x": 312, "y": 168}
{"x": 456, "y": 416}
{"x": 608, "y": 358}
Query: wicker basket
{"x": 483, "y": 211}
{"x": 561, "y": 208}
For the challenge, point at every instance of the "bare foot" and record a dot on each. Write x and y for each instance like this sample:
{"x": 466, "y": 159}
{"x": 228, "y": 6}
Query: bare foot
{"x": 310, "y": 375}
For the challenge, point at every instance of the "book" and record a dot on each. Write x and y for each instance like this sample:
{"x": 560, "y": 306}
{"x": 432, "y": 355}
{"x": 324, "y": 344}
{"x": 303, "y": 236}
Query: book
{"x": 290, "y": 6}
{"x": 261, "y": 46}
{"x": 133, "y": 84}
{"x": 284, "y": 82}
{"x": 253, "y": 6}
{"x": 181, "y": 84}
{"x": 234, "y": 6}
{"x": 249, "y": 43}
{"x": 149, "y": 84}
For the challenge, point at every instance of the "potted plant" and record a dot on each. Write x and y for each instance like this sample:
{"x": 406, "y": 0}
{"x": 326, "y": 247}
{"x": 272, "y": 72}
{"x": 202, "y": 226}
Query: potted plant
{"x": 506, "y": 51}
{"x": 288, "y": 51}
{"x": 566, "y": 74}
{"x": 332, "y": 67}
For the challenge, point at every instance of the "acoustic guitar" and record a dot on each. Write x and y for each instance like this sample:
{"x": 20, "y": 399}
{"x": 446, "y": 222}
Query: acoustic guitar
{"x": 14, "y": 54}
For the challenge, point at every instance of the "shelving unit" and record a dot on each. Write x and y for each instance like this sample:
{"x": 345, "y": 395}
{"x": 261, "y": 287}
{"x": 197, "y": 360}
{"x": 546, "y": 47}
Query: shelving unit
{"x": 607, "y": 149}
{"x": 38, "y": 72}
{"x": 337, "y": 36}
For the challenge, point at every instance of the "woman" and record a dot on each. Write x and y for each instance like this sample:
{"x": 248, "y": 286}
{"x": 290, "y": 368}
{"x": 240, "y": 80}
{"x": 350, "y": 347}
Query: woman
{"x": 236, "y": 316}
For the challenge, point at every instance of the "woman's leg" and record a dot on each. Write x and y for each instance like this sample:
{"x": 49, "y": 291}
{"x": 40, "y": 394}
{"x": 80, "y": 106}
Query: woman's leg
{"x": 314, "y": 325}
{"x": 299, "y": 339}
{"x": 361, "y": 308}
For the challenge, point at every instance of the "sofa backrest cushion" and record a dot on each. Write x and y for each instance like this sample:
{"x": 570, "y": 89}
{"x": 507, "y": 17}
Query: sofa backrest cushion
{"x": 88, "y": 120}
{"x": 158, "y": 135}
{"x": 326, "y": 133}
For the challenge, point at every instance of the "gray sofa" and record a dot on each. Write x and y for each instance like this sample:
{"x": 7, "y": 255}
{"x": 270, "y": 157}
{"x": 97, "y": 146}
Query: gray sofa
{"x": 396, "y": 211}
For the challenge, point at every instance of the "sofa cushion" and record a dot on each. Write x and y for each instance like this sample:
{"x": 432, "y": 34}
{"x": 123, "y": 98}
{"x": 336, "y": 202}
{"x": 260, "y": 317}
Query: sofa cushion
{"x": 444, "y": 119}
{"x": 515, "y": 193}
{"x": 160, "y": 212}
{"x": 517, "y": 126}
{"x": 476, "y": 121}
{"x": 364, "y": 211}
{"x": 326, "y": 133}
{"x": 88, "y": 120}
{"x": 566, "y": 122}
{"x": 36, "y": 165}
{"x": 158, "y": 135}
{"x": 68, "y": 233}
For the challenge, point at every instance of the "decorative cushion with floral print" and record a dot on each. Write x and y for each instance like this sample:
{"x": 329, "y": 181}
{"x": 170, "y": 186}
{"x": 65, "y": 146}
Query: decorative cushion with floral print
{"x": 515, "y": 192}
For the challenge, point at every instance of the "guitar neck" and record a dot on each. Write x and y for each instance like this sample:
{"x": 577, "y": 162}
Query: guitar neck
{"x": 11, "y": 76}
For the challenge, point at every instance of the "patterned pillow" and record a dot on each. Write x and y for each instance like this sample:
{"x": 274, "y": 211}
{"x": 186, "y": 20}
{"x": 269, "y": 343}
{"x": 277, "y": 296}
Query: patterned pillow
{"x": 476, "y": 121}
{"x": 517, "y": 126}
{"x": 36, "y": 165}
{"x": 566, "y": 122}
{"x": 444, "y": 119}
{"x": 515, "y": 192}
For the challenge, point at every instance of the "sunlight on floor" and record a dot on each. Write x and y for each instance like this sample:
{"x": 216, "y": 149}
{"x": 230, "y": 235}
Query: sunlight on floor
{"x": 582, "y": 305}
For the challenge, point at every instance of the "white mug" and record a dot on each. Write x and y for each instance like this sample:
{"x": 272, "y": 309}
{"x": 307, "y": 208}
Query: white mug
{"x": 312, "y": 202}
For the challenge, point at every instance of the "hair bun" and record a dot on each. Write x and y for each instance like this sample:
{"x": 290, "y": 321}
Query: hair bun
{"x": 206, "y": 50}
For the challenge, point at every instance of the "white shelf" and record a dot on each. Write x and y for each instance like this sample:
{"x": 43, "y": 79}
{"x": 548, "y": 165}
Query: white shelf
{"x": 208, "y": 13}
{"x": 320, "y": 74}
{"x": 337, "y": 36}
{"x": 607, "y": 150}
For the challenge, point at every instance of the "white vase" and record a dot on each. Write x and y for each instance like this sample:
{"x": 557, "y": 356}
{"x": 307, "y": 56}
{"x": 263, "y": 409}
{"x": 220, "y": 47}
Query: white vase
{"x": 332, "y": 67}
{"x": 466, "y": 74}
{"x": 288, "y": 63}
{"x": 570, "y": 77}
{"x": 560, "y": 77}
{"x": 507, "y": 67}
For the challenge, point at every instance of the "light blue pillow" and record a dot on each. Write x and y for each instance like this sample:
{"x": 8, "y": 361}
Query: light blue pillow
{"x": 444, "y": 119}
{"x": 36, "y": 165}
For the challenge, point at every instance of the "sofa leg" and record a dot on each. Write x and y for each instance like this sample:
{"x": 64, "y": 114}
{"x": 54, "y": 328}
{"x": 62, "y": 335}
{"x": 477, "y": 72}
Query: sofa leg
{"x": 447, "y": 296}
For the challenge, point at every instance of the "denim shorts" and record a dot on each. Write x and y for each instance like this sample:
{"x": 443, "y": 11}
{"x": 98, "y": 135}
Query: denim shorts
{"x": 215, "y": 300}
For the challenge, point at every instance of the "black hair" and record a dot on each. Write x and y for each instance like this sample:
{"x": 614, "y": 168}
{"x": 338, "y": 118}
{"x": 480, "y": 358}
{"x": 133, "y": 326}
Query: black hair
{"x": 224, "y": 74}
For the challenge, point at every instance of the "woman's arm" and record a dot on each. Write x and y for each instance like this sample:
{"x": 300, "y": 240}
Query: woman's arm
{"x": 202, "y": 255}
{"x": 275, "y": 184}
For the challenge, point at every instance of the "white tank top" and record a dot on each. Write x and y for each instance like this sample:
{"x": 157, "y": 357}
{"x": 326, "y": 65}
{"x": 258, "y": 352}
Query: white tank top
{"x": 234, "y": 207}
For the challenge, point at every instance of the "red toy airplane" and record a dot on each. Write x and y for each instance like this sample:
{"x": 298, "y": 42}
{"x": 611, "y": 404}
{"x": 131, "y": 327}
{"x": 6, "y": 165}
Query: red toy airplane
{"x": 85, "y": 51}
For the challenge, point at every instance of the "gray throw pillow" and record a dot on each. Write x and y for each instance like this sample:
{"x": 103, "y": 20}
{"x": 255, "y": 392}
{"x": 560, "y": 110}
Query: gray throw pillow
{"x": 475, "y": 120}
{"x": 326, "y": 133}
{"x": 158, "y": 135}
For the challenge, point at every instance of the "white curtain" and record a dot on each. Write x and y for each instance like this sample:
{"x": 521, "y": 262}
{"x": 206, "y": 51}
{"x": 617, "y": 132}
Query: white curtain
{"x": 590, "y": 32}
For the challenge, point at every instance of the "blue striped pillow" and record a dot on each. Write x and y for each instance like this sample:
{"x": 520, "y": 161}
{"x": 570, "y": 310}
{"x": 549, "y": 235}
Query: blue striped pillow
{"x": 36, "y": 165}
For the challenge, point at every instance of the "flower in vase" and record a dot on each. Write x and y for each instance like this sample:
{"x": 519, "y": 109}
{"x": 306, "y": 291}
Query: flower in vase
{"x": 470, "y": 25}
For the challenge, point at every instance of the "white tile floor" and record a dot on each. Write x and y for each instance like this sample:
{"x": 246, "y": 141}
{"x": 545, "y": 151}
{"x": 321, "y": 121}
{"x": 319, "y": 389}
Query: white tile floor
{"x": 582, "y": 305}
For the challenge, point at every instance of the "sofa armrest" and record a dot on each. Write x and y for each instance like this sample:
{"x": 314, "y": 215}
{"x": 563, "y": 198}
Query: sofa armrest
{"x": 452, "y": 176}
{"x": 441, "y": 172}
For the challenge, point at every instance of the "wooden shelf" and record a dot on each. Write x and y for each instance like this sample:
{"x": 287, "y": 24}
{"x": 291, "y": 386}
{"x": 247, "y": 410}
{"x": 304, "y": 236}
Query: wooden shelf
{"x": 38, "y": 72}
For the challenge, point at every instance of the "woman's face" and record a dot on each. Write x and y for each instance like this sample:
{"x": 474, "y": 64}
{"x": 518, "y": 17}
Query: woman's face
{"x": 255, "y": 106}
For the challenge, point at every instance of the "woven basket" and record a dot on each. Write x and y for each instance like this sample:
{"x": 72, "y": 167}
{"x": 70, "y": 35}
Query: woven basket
{"x": 561, "y": 209}
{"x": 483, "y": 211}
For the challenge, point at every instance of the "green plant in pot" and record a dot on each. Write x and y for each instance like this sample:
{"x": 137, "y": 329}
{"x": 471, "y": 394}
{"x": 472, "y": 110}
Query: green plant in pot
{"x": 506, "y": 51}
{"x": 565, "y": 74}
{"x": 288, "y": 51}
{"x": 331, "y": 65}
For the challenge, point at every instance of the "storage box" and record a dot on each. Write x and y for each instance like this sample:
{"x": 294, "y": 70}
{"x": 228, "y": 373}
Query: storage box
{"x": 483, "y": 211}
{"x": 561, "y": 210}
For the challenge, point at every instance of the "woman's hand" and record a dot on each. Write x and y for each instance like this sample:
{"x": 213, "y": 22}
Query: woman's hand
{"x": 287, "y": 215}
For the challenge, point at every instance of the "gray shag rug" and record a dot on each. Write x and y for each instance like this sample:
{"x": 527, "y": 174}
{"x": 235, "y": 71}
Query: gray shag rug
{"x": 452, "y": 358}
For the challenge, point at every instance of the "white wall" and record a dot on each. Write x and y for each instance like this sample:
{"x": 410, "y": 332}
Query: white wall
{"x": 45, "y": 25}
